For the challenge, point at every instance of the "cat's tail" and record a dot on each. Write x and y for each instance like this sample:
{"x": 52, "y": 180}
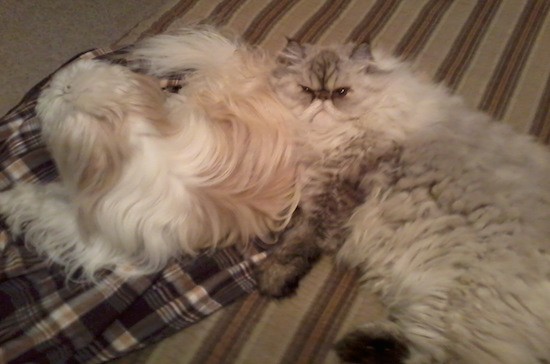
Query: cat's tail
{"x": 199, "y": 49}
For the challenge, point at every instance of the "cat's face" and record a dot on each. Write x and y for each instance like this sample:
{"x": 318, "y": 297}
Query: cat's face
{"x": 323, "y": 84}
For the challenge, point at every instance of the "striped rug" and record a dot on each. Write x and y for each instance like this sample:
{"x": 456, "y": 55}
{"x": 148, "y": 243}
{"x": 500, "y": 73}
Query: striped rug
{"x": 495, "y": 53}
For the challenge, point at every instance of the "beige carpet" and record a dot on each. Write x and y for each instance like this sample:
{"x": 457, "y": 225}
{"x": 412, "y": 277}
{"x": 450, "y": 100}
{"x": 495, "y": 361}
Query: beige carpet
{"x": 36, "y": 36}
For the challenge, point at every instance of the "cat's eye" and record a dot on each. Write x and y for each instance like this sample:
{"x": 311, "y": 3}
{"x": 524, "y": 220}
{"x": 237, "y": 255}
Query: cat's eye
{"x": 341, "y": 92}
{"x": 306, "y": 89}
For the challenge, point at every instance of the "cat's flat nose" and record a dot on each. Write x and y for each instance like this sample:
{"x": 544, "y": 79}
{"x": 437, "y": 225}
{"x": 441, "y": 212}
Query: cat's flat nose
{"x": 323, "y": 95}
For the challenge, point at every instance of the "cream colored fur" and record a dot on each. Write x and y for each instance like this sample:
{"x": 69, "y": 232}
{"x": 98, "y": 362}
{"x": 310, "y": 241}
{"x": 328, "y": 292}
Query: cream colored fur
{"x": 147, "y": 176}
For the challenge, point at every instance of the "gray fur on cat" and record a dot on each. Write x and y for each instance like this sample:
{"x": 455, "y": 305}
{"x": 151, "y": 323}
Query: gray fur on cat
{"x": 449, "y": 219}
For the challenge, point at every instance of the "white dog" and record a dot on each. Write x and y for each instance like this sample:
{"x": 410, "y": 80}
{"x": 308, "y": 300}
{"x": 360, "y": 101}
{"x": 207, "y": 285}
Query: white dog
{"x": 145, "y": 175}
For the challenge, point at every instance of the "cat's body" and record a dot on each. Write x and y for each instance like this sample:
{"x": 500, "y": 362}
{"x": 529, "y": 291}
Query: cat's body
{"x": 454, "y": 236}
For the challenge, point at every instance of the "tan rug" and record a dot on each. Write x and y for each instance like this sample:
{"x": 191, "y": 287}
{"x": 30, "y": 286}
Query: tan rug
{"x": 494, "y": 52}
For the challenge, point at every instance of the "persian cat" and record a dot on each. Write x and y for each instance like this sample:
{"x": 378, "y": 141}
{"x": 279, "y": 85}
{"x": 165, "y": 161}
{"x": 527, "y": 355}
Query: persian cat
{"x": 146, "y": 175}
{"x": 446, "y": 213}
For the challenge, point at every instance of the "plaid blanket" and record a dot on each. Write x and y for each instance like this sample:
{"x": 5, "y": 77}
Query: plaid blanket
{"x": 45, "y": 319}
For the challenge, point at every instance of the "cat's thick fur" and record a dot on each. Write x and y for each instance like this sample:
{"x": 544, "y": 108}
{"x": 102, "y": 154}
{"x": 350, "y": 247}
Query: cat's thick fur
{"x": 146, "y": 176}
{"x": 452, "y": 234}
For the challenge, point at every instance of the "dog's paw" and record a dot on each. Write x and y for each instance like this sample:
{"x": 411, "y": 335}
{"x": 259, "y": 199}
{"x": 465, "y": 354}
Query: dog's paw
{"x": 372, "y": 345}
{"x": 278, "y": 280}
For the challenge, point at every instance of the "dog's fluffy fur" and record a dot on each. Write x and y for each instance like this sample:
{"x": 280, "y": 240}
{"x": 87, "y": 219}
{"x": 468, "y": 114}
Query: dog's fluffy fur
{"x": 145, "y": 175}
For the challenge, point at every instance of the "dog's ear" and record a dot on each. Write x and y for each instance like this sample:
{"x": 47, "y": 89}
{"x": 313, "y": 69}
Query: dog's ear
{"x": 111, "y": 132}
{"x": 108, "y": 145}
{"x": 293, "y": 53}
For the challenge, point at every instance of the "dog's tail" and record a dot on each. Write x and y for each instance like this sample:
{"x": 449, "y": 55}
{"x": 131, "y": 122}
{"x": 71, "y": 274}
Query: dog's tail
{"x": 199, "y": 49}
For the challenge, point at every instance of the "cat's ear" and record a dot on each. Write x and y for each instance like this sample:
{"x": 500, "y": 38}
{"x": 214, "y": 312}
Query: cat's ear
{"x": 362, "y": 52}
{"x": 293, "y": 52}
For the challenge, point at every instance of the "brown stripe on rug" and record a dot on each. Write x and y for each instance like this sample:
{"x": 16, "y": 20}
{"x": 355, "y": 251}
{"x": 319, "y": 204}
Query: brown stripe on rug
{"x": 320, "y": 21}
{"x": 261, "y": 25}
{"x": 229, "y": 334}
{"x": 177, "y": 11}
{"x": 373, "y": 21}
{"x": 540, "y": 127}
{"x": 321, "y": 323}
{"x": 459, "y": 58}
{"x": 423, "y": 26}
{"x": 546, "y": 134}
{"x": 223, "y": 12}
{"x": 505, "y": 78}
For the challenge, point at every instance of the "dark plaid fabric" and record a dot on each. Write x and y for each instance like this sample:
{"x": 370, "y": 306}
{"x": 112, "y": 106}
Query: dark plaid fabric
{"x": 45, "y": 319}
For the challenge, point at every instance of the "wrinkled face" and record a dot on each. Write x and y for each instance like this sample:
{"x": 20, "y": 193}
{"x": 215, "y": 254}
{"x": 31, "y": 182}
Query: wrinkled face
{"x": 323, "y": 84}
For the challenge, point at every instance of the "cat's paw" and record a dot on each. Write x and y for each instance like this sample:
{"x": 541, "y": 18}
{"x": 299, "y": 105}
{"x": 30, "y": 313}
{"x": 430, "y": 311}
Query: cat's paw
{"x": 372, "y": 344}
{"x": 278, "y": 280}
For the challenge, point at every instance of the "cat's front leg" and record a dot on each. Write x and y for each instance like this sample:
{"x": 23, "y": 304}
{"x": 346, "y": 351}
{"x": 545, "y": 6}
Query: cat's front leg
{"x": 278, "y": 276}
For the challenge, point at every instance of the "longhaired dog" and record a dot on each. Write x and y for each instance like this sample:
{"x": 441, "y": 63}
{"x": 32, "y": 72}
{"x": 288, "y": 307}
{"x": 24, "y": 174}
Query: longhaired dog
{"x": 146, "y": 176}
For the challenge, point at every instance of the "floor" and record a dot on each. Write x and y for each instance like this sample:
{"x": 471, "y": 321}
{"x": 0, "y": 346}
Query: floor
{"x": 36, "y": 36}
